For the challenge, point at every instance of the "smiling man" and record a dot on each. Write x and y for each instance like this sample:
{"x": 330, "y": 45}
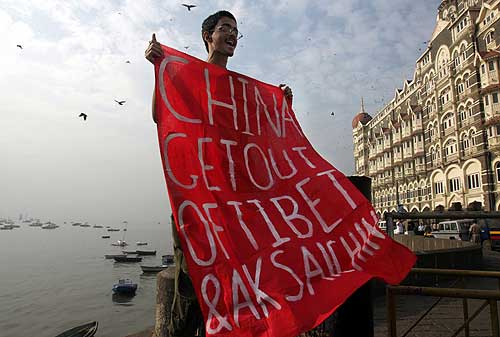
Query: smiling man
{"x": 220, "y": 35}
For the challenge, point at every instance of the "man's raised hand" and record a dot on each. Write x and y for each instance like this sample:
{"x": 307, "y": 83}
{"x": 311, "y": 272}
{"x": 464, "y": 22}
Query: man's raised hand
{"x": 154, "y": 50}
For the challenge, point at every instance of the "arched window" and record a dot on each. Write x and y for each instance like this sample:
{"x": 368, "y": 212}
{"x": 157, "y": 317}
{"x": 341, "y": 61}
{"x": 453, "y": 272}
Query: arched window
{"x": 497, "y": 171}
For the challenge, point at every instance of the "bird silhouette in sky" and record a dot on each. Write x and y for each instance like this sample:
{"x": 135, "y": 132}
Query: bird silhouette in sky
{"x": 332, "y": 114}
{"x": 19, "y": 46}
{"x": 189, "y": 6}
{"x": 120, "y": 102}
{"x": 186, "y": 47}
{"x": 83, "y": 115}
{"x": 127, "y": 61}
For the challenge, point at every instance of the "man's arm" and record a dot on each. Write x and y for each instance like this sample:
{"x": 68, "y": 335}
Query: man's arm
{"x": 153, "y": 52}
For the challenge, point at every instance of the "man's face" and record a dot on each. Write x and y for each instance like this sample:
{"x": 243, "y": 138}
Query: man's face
{"x": 224, "y": 37}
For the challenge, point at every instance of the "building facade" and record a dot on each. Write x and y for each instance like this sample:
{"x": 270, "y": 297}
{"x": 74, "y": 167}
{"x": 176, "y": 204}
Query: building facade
{"x": 438, "y": 140}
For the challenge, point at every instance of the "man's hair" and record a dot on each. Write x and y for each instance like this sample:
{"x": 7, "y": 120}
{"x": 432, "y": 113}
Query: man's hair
{"x": 209, "y": 23}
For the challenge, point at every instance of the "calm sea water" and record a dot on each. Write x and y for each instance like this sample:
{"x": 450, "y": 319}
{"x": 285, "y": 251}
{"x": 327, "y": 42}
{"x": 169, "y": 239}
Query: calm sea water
{"x": 52, "y": 280}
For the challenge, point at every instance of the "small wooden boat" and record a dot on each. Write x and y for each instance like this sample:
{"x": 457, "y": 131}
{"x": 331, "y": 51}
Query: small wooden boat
{"x": 145, "y": 252}
{"x": 140, "y": 243}
{"x": 113, "y": 229}
{"x": 105, "y": 236}
{"x": 97, "y": 226}
{"x": 84, "y": 225}
{"x": 125, "y": 287}
{"x": 112, "y": 256}
{"x": 127, "y": 259}
{"x": 153, "y": 269}
{"x": 85, "y": 330}
{"x": 76, "y": 224}
{"x": 129, "y": 251}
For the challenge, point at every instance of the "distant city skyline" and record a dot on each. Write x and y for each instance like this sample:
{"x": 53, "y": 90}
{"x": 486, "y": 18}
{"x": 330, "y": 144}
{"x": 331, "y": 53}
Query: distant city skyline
{"x": 83, "y": 57}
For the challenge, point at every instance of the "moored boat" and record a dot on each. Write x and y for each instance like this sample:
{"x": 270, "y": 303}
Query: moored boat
{"x": 140, "y": 243}
{"x": 97, "y": 226}
{"x": 153, "y": 269}
{"x": 105, "y": 236}
{"x": 129, "y": 251}
{"x": 167, "y": 259}
{"x": 113, "y": 229}
{"x": 125, "y": 287}
{"x": 112, "y": 256}
{"x": 119, "y": 243}
{"x": 127, "y": 259}
{"x": 85, "y": 330}
{"x": 145, "y": 252}
{"x": 50, "y": 225}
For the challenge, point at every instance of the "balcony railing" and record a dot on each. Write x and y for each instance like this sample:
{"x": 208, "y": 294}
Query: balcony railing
{"x": 452, "y": 157}
{"x": 396, "y": 137}
{"x": 420, "y": 168}
{"x": 417, "y": 124}
{"x": 494, "y": 141}
{"x": 397, "y": 157}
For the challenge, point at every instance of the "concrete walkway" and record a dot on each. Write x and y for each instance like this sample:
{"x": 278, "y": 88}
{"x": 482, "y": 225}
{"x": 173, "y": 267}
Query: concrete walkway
{"x": 447, "y": 316}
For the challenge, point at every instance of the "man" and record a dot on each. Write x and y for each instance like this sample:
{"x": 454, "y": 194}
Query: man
{"x": 220, "y": 36}
{"x": 475, "y": 233}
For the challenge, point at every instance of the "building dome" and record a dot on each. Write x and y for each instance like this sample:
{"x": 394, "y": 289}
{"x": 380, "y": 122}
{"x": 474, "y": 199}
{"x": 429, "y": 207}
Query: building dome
{"x": 362, "y": 116}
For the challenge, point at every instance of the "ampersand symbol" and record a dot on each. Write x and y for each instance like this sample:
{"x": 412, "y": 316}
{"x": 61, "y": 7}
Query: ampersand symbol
{"x": 212, "y": 310}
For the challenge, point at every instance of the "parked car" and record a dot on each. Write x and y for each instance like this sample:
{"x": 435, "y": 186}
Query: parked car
{"x": 453, "y": 230}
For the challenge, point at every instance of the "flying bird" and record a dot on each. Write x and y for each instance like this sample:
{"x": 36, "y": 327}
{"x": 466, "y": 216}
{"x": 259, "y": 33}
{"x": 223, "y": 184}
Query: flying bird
{"x": 83, "y": 115}
{"x": 19, "y": 46}
{"x": 332, "y": 114}
{"x": 127, "y": 61}
{"x": 186, "y": 47}
{"x": 120, "y": 102}
{"x": 189, "y": 6}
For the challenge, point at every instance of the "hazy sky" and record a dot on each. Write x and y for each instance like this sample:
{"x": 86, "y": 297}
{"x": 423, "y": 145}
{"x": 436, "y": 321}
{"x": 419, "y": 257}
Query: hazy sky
{"x": 57, "y": 167}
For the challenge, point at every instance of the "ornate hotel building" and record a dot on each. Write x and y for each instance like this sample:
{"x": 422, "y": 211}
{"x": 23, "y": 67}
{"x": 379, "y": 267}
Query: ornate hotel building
{"x": 438, "y": 140}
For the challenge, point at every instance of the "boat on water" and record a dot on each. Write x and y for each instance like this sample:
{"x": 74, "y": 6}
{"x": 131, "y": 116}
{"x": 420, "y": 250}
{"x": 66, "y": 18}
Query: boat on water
{"x": 125, "y": 287}
{"x": 76, "y": 224}
{"x": 6, "y": 227}
{"x": 167, "y": 259}
{"x": 141, "y": 243}
{"x": 85, "y": 330}
{"x": 15, "y": 226}
{"x": 127, "y": 259}
{"x": 153, "y": 269}
{"x": 50, "y": 225}
{"x": 97, "y": 226}
{"x": 112, "y": 256}
{"x": 145, "y": 252}
{"x": 36, "y": 224}
{"x": 119, "y": 243}
{"x": 113, "y": 229}
{"x": 84, "y": 225}
{"x": 129, "y": 251}
{"x": 105, "y": 236}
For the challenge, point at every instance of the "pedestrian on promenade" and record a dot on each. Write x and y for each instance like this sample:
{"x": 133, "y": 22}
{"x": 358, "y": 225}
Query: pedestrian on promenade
{"x": 220, "y": 35}
{"x": 475, "y": 233}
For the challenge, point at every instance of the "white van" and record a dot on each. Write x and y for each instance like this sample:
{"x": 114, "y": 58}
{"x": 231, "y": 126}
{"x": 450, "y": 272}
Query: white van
{"x": 453, "y": 229}
{"x": 382, "y": 225}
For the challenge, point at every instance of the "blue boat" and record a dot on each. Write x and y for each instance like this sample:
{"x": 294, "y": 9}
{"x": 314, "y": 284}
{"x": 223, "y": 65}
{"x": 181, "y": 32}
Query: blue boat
{"x": 125, "y": 287}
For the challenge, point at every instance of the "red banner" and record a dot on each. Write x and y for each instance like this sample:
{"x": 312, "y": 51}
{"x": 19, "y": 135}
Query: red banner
{"x": 275, "y": 237}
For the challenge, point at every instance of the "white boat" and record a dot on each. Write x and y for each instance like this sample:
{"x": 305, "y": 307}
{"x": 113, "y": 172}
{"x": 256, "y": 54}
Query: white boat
{"x": 120, "y": 243}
